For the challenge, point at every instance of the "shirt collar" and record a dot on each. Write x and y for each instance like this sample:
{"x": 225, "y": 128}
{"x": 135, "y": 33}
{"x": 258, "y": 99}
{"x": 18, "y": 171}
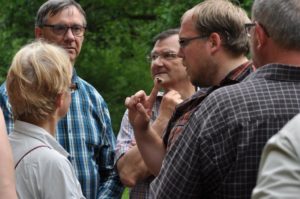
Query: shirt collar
{"x": 238, "y": 74}
{"x": 40, "y": 134}
{"x": 278, "y": 72}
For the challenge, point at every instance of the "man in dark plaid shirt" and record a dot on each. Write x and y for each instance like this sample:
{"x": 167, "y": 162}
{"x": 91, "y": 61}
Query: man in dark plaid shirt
{"x": 214, "y": 51}
{"x": 216, "y": 61}
{"x": 218, "y": 152}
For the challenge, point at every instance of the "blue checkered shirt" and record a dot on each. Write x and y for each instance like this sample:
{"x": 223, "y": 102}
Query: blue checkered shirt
{"x": 86, "y": 133}
{"x": 218, "y": 152}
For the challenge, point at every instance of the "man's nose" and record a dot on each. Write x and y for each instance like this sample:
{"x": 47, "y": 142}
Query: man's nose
{"x": 69, "y": 34}
{"x": 180, "y": 53}
{"x": 157, "y": 61}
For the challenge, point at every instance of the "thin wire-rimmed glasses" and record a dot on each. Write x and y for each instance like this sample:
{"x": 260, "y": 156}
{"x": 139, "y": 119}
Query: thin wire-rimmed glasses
{"x": 167, "y": 55}
{"x": 73, "y": 87}
{"x": 183, "y": 42}
{"x": 60, "y": 29}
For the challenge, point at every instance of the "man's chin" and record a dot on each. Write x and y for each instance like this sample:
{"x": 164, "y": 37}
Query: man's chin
{"x": 72, "y": 57}
{"x": 163, "y": 78}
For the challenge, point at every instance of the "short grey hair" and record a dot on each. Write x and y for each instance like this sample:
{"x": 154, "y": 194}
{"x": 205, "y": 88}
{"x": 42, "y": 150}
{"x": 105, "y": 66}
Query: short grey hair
{"x": 52, "y": 7}
{"x": 280, "y": 19}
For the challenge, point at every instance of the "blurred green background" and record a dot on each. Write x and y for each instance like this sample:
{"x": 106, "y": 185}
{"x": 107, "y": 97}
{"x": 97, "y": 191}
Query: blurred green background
{"x": 116, "y": 43}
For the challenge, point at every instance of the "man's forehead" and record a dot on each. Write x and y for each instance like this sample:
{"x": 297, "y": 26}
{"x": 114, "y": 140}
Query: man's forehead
{"x": 188, "y": 29}
{"x": 166, "y": 47}
{"x": 66, "y": 11}
{"x": 168, "y": 41}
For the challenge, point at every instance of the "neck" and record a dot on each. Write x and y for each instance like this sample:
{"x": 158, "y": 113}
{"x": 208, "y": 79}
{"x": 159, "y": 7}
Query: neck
{"x": 49, "y": 125}
{"x": 281, "y": 56}
{"x": 227, "y": 65}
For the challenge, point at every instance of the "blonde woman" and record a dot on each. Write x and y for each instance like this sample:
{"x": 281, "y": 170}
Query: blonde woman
{"x": 39, "y": 89}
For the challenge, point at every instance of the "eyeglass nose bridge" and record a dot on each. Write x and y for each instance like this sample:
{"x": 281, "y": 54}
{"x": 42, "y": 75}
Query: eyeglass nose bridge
{"x": 69, "y": 28}
{"x": 154, "y": 59}
{"x": 61, "y": 30}
{"x": 160, "y": 58}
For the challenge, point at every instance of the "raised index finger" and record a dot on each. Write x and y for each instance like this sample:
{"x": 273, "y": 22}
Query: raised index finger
{"x": 154, "y": 91}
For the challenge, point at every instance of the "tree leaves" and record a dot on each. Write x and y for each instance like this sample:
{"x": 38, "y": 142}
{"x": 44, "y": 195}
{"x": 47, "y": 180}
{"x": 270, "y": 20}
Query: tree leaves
{"x": 117, "y": 41}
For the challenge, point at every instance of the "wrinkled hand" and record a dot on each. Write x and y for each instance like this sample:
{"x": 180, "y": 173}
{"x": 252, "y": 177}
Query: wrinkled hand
{"x": 168, "y": 104}
{"x": 140, "y": 108}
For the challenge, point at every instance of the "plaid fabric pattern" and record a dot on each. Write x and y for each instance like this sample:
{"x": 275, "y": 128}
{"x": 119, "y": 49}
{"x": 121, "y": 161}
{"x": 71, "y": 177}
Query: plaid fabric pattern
{"x": 218, "y": 152}
{"x": 184, "y": 110}
{"x": 87, "y": 135}
{"x": 124, "y": 142}
{"x": 279, "y": 175}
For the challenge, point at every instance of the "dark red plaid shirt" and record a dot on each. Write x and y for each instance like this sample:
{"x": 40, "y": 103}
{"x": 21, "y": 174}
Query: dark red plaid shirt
{"x": 185, "y": 109}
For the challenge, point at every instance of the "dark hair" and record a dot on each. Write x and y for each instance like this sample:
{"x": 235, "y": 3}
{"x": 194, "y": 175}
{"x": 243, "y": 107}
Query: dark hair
{"x": 165, "y": 34}
{"x": 52, "y": 7}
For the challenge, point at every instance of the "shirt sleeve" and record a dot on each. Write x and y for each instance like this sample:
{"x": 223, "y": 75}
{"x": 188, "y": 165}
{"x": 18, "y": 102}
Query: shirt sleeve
{"x": 6, "y": 108}
{"x": 110, "y": 184}
{"x": 125, "y": 137}
{"x": 279, "y": 171}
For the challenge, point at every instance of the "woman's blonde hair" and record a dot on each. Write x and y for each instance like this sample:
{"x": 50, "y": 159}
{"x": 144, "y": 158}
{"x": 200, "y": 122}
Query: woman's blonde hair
{"x": 38, "y": 73}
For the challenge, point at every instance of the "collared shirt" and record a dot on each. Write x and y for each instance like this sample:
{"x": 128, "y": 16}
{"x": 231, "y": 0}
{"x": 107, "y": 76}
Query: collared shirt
{"x": 44, "y": 172}
{"x": 86, "y": 133}
{"x": 124, "y": 142}
{"x": 279, "y": 170}
{"x": 218, "y": 152}
{"x": 185, "y": 109}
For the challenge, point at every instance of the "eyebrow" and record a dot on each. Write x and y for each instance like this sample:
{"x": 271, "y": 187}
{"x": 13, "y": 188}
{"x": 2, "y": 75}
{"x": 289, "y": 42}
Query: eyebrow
{"x": 163, "y": 51}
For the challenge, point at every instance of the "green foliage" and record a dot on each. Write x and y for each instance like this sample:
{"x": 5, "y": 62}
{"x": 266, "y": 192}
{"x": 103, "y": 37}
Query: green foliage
{"x": 125, "y": 194}
{"x": 116, "y": 43}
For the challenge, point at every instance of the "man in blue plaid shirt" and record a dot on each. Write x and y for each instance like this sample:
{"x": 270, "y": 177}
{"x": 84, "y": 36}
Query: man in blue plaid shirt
{"x": 86, "y": 132}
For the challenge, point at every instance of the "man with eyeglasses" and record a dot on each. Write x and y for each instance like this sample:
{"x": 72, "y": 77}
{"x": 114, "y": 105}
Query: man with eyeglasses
{"x": 86, "y": 131}
{"x": 213, "y": 47}
{"x": 170, "y": 75}
{"x": 275, "y": 45}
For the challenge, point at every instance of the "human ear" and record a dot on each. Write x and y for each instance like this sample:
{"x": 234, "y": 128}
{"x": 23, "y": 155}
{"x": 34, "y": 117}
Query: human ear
{"x": 59, "y": 100}
{"x": 215, "y": 42}
{"x": 38, "y": 32}
{"x": 261, "y": 36}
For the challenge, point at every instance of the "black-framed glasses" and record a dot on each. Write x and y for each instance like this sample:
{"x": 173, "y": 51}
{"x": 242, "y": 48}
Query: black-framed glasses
{"x": 73, "y": 87}
{"x": 166, "y": 55}
{"x": 60, "y": 29}
{"x": 248, "y": 27}
{"x": 183, "y": 42}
